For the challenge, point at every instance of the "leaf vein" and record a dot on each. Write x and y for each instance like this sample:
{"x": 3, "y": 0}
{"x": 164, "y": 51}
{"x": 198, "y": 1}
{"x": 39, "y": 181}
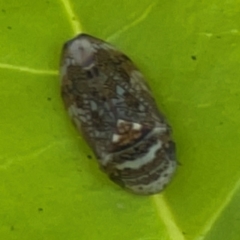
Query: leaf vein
{"x": 219, "y": 211}
{"x": 73, "y": 19}
{"x": 28, "y": 70}
{"x": 132, "y": 24}
{"x": 168, "y": 219}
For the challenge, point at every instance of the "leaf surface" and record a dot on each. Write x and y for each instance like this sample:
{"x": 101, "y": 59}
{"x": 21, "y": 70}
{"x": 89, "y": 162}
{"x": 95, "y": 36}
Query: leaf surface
{"x": 50, "y": 189}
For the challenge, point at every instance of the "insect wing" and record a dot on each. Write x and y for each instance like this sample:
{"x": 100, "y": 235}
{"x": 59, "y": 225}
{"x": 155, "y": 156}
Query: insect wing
{"x": 112, "y": 106}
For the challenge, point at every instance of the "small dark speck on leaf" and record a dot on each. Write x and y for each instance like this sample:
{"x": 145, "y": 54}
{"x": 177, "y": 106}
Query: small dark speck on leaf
{"x": 221, "y": 123}
{"x": 12, "y": 228}
{"x": 49, "y": 99}
{"x": 89, "y": 156}
{"x": 194, "y": 57}
{"x": 9, "y": 27}
{"x": 218, "y": 36}
{"x": 179, "y": 164}
{"x": 3, "y": 10}
{"x": 40, "y": 209}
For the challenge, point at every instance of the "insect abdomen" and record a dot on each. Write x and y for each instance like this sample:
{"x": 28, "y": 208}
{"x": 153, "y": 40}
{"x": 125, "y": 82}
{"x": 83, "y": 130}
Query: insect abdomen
{"x": 112, "y": 106}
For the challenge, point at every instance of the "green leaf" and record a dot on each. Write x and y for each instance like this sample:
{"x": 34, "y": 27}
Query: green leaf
{"x": 50, "y": 189}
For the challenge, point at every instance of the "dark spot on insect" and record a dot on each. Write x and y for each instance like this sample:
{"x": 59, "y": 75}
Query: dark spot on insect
{"x": 9, "y": 27}
{"x": 136, "y": 149}
{"x": 89, "y": 74}
{"x": 104, "y": 99}
{"x": 49, "y": 99}
{"x": 94, "y": 92}
{"x": 12, "y": 228}
{"x": 93, "y": 72}
{"x": 89, "y": 156}
{"x": 194, "y": 57}
{"x": 170, "y": 151}
{"x": 96, "y": 72}
{"x": 40, "y": 209}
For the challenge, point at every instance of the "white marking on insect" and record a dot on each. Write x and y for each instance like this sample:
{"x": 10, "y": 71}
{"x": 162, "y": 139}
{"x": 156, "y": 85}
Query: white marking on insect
{"x": 115, "y": 138}
{"x": 141, "y": 160}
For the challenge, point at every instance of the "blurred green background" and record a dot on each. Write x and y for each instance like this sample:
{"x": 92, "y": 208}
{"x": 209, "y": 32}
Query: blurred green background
{"x": 50, "y": 184}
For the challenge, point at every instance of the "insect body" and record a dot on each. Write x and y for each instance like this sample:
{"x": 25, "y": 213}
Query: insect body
{"x": 112, "y": 106}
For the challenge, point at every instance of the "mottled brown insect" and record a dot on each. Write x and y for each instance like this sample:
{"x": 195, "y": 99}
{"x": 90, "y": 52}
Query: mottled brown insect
{"x": 112, "y": 106}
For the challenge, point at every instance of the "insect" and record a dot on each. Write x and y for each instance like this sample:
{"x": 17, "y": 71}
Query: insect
{"x": 112, "y": 106}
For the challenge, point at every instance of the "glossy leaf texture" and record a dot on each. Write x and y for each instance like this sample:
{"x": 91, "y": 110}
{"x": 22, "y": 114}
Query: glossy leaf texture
{"x": 51, "y": 187}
